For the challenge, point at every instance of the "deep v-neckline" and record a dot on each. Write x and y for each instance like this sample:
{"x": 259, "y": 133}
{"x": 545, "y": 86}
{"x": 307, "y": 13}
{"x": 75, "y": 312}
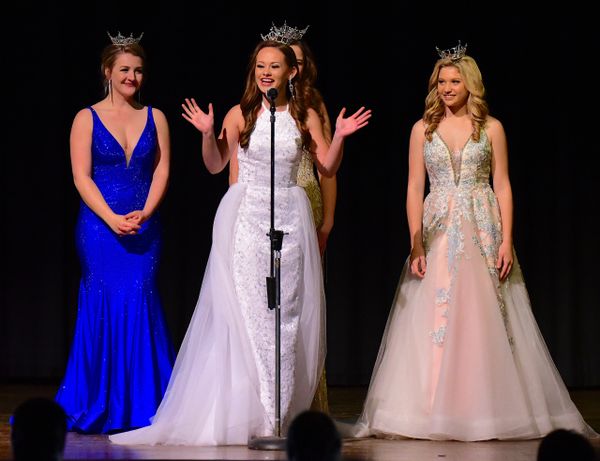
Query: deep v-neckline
{"x": 451, "y": 154}
{"x": 448, "y": 148}
{"x": 127, "y": 160}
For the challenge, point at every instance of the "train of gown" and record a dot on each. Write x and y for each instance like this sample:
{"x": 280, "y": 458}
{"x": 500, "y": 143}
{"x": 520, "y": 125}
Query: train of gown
{"x": 222, "y": 388}
{"x": 462, "y": 356}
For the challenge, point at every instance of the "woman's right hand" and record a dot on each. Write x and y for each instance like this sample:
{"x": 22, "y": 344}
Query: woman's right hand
{"x": 120, "y": 225}
{"x": 418, "y": 262}
{"x": 204, "y": 122}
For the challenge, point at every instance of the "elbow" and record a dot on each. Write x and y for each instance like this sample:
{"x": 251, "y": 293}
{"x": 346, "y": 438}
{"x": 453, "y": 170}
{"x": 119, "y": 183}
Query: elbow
{"x": 214, "y": 169}
{"x": 328, "y": 171}
{"x": 78, "y": 181}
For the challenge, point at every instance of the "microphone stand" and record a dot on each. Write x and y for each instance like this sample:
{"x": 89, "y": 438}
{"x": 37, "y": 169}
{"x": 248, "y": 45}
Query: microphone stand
{"x": 275, "y": 442}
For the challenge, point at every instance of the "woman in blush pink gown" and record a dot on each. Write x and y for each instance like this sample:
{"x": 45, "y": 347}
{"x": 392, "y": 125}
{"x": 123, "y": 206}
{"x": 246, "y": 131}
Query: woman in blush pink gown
{"x": 462, "y": 357}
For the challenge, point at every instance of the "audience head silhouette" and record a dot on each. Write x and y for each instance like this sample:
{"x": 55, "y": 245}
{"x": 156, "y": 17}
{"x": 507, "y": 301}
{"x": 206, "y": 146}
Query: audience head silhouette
{"x": 565, "y": 445}
{"x": 39, "y": 428}
{"x": 312, "y": 436}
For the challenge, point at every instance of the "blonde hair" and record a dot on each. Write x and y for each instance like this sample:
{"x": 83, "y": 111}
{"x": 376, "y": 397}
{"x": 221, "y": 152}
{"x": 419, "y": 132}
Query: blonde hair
{"x": 476, "y": 105}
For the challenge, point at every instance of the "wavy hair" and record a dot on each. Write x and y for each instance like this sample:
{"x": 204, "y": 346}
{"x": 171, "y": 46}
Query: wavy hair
{"x": 476, "y": 105}
{"x": 312, "y": 97}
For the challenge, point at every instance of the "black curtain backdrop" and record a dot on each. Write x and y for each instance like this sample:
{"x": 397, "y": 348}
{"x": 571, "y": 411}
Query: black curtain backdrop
{"x": 537, "y": 76}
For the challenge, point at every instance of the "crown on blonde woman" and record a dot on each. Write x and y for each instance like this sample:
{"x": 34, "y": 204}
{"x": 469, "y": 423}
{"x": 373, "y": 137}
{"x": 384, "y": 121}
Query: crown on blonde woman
{"x": 454, "y": 54}
{"x": 285, "y": 34}
{"x": 121, "y": 40}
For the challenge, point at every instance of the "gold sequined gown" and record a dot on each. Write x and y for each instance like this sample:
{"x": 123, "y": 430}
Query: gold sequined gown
{"x": 462, "y": 357}
{"x": 310, "y": 183}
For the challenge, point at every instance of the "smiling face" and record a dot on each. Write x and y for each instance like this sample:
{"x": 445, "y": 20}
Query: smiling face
{"x": 126, "y": 74}
{"x": 271, "y": 70}
{"x": 451, "y": 87}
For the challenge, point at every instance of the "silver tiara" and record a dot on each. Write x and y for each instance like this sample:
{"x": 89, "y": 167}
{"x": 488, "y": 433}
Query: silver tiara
{"x": 285, "y": 34}
{"x": 454, "y": 54}
{"x": 121, "y": 40}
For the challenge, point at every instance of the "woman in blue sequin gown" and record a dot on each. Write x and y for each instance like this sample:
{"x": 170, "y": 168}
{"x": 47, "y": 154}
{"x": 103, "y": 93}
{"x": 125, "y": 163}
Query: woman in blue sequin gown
{"x": 121, "y": 357}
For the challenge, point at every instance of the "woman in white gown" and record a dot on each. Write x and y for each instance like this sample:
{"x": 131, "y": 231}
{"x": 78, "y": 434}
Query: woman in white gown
{"x": 462, "y": 357}
{"x": 222, "y": 390}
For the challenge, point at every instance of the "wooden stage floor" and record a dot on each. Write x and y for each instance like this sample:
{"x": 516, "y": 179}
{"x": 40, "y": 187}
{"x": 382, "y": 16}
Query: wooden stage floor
{"x": 345, "y": 404}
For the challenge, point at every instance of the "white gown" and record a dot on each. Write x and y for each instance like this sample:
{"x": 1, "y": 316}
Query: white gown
{"x": 462, "y": 357}
{"x": 223, "y": 385}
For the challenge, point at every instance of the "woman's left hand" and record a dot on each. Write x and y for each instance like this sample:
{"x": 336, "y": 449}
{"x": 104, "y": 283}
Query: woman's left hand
{"x": 347, "y": 126}
{"x": 137, "y": 216}
{"x": 322, "y": 236}
{"x": 505, "y": 260}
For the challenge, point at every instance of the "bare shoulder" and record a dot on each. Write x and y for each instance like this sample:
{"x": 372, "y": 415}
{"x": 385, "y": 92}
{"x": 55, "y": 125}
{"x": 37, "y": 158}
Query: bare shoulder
{"x": 159, "y": 117}
{"x": 312, "y": 117}
{"x": 418, "y": 129}
{"x": 235, "y": 111}
{"x": 235, "y": 115}
{"x": 234, "y": 120}
{"x": 493, "y": 127}
{"x": 157, "y": 113}
{"x": 83, "y": 120}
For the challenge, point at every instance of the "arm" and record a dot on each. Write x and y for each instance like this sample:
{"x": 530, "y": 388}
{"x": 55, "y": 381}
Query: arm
{"x": 414, "y": 199}
{"x": 502, "y": 189}
{"x": 234, "y": 167}
{"x": 327, "y": 156}
{"x": 81, "y": 165}
{"x": 216, "y": 152}
{"x": 328, "y": 190}
{"x": 329, "y": 194}
{"x": 326, "y": 122}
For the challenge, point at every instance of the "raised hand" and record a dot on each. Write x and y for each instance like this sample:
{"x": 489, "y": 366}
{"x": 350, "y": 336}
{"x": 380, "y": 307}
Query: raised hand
{"x": 203, "y": 121}
{"x": 347, "y": 126}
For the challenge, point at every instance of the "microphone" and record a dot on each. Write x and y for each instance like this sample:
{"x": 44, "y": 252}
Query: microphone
{"x": 272, "y": 94}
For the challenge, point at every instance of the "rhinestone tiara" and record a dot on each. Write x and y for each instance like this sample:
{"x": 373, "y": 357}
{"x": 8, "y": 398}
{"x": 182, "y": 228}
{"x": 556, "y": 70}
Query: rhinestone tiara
{"x": 121, "y": 40}
{"x": 454, "y": 54}
{"x": 284, "y": 34}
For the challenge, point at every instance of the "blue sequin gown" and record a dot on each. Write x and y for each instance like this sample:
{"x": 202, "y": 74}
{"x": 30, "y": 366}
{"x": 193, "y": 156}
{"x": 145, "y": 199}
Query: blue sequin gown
{"x": 122, "y": 356}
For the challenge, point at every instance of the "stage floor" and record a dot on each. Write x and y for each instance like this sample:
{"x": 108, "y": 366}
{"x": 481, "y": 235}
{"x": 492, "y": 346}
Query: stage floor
{"x": 345, "y": 404}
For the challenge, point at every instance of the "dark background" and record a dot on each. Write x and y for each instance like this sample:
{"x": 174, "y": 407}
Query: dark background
{"x": 537, "y": 71}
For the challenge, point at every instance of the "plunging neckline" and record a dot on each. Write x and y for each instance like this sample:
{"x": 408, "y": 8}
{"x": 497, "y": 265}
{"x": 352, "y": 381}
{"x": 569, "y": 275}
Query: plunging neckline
{"x": 446, "y": 145}
{"x": 127, "y": 160}
{"x": 451, "y": 154}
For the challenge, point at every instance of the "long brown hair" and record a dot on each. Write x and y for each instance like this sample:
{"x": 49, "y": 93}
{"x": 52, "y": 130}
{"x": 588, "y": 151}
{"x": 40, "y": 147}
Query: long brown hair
{"x": 476, "y": 105}
{"x": 312, "y": 96}
{"x": 252, "y": 97}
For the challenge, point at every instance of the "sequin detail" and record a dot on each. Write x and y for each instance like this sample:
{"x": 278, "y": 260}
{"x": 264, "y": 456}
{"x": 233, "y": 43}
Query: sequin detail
{"x": 252, "y": 254}
{"x": 460, "y": 195}
{"x": 121, "y": 356}
{"x": 308, "y": 180}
